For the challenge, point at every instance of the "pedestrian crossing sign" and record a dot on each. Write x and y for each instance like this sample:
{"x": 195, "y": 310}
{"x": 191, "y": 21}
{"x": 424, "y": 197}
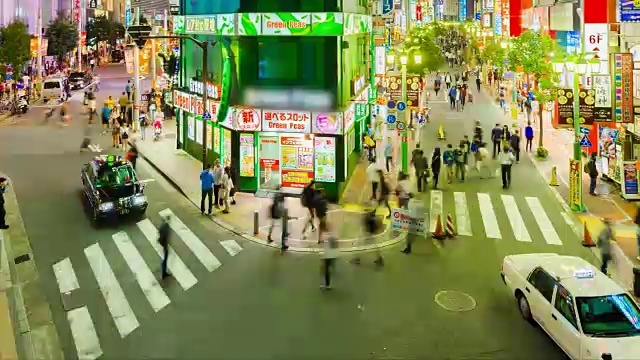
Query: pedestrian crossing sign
{"x": 584, "y": 142}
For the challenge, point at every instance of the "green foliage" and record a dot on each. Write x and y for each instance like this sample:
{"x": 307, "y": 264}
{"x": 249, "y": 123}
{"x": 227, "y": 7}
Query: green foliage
{"x": 103, "y": 29}
{"x": 432, "y": 58}
{"x": 62, "y": 35}
{"x": 542, "y": 153}
{"x": 494, "y": 54}
{"x": 15, "y": 47}
{"x": 531, "y": 51}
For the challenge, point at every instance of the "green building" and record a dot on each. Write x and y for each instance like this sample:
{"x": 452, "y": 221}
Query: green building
{"x": 288, "y": 91}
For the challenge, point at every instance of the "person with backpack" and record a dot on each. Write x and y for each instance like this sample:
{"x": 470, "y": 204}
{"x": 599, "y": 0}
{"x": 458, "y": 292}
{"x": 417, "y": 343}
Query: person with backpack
{"x": 528, "y": 108}
{"x": 308, "y": 193}
{"x": 436, "y": 162}
{"x": 276, "y": 213}
{"x": 591, "y": 169}
{"x": 458, "y": 156}
{"x": 496, "y": 138}
{"x": 449, "y": 161}
{"x": 452, "y": 97}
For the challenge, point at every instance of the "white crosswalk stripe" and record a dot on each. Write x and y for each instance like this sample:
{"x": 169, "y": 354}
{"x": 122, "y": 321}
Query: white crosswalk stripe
{"x": 546, "y": 227}
{"x": 435, "y": 209}
{"x": 232, "y": 247}
{"x": 148, "y": 283}
{"x": 178, "y": 269}
{"x": 199, "y": 249}
{"x": 463, "y": 222}
{"x": 117, "y": 303}
{"x": 489, "y": 219}
{"x": 517, "y": 223}
{"x": 66, "y": 277}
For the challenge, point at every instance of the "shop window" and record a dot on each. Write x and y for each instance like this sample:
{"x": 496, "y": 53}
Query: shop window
{"x": 278, "y": 60}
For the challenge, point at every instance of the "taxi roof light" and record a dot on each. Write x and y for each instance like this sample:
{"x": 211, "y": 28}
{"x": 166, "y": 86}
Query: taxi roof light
{"x": 584, "y": 274}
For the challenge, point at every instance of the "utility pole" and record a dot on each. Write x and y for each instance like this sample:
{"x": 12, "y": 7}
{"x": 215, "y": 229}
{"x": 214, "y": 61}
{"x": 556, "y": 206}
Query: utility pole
{"x": 81, "y": 10}
{"x": 136, "y": 75}
{"x": 38, "y": 75}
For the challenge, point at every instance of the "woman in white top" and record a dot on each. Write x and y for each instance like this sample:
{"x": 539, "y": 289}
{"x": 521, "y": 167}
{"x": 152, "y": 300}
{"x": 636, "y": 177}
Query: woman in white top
{"x": 225, "y": 190}
{"x": 403, "y": 191}
{"x": 124, "y": 136}
{"x": 506, "y": 159}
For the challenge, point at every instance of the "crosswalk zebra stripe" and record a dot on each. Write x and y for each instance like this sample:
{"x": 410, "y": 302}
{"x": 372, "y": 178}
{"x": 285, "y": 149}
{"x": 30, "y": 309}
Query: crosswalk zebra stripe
{"x": 462, "y": 214}
{"x": 491, "y": 228}
{"x": 545, "y": 225}
{"x": 148, "y": 283}
{"x": 232, "y": 247}
{"x": 436, "y": 209}
{"x": 178, "y": 269}
{"x": 117, "y": 303}
{"x": 84, "y": 334}
{"x": 517, "y": 223}
{"x": 65, "y": 276}
{"x": 199, "y": 249}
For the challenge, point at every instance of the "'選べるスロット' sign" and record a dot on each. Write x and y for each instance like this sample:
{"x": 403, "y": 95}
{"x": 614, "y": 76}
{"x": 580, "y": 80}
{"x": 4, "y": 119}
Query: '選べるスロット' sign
{"x": 286, "y": 121}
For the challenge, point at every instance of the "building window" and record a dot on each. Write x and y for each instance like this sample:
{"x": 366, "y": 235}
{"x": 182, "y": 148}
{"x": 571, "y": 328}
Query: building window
{"x": 279, "y": 59}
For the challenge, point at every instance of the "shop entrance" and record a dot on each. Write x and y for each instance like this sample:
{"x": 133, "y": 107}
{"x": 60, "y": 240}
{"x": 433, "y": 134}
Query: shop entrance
{"x": 286, "y": 160}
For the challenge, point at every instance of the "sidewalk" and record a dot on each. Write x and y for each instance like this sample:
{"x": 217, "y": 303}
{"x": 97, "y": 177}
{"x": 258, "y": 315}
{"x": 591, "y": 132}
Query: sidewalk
{"x": 8, "y": 348}
{"x": 607, "y": 205}
{"x": 183, "y": 171}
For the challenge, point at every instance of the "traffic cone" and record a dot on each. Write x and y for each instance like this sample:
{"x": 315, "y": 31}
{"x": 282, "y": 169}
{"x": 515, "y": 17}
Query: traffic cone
{"x": 438, "y": 234}
{"x": 587, "y": 241}
{"x": 441, "y": 133}
{"x": 450, "y": 231}
{"x": 554, "y": 177}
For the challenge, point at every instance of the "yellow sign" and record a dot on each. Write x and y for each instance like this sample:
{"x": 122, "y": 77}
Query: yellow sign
{"x": 575, "y": 184}
{"x": 33, "y": 47}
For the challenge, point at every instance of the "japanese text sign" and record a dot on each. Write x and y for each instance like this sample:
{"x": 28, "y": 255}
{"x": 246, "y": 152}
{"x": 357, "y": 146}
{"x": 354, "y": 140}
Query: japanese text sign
{"x": 286, "y": 121}
{"x": 248, "y": 120}
{"x": 349, "y": 117}
{"x": 200, "y": 25}
{"x": 602, "y": 87}
{"x": 327, "y": 123}
{"x": 623, "y": 78}
{"x": 181, "y": 100}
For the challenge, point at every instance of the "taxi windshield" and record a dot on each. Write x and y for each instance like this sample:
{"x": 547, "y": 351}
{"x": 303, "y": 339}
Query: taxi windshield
{"x": 116, "y": 175}
{"x": 612, "y": 315}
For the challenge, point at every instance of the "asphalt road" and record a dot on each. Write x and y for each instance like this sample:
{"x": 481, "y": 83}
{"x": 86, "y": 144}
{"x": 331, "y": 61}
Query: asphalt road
{"x": 259, "y": 304}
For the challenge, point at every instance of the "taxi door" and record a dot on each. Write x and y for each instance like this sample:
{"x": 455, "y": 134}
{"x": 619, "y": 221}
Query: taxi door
{"x": 539, "y": 293}
{"x": 563, "y": 326}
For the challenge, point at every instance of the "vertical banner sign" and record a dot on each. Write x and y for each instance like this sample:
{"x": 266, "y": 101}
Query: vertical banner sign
{"x": 622, "y": 73}
{"x": 76, "y": 11}
{"x": 462, "y": 10}
{"x": 565, "y": 107}
{"x": 497, "y": 18}
{"x": 418, "y": 13}
{"x": 596, "y": 39}
{"x": 505, "y": 18}
{"x": 575, "y": 179}
{"x": 387, "y": 7}
{"x": 602, "y": 87}
{"x": 127, "y": 14}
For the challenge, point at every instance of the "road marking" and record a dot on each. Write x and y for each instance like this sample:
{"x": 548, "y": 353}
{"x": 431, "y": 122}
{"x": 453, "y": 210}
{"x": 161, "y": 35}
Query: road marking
{"x": 489, "y": 219}
{"x": 84, "y": 334}
{"x": 148, "y": 283}
{"x": 197, "y": 247}
{"x": 178, "y": 269}
{"x": 517, "y": 223}
{"x": 117, "y": 303}
{"x": 436, "y": 209}
{"x": 567, "y": 218}
{"x": 462, "y": 214}
{"x": 66, "y": 277}
{"x": 232, "y": 247}
{"x": 546, "y": 227}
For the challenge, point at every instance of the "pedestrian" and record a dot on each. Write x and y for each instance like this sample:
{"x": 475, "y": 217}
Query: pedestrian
{"x": 502, "y": 97}
{"x": 217, "y": 175}
{"x": 163, "y": 239}
{"x": 123, "y": 102}
{"x": 92, "y": 63}
{"x": 458, "y": 156}
{"x": 478, "y": 82}
{"x": 482, "y": 161}
{"x": 227, "y": 186}
{"x": 477, "y": 131}
{"x": 388, "y": 154}
{"x": 206, "y": 185}
{"x": 306, "y": 199}
{"x": 591, "y": 169}
{"x": 449, "y": 162}
{"x": 329, "y": 255}
{"x": 3, "y": 213}
{"x": 528, "y": 134}
{"x": 463, "y": 95}
{"x": 447, "y": 80}
{"x": 528, "y": 108}
{"x": 105, "y": 116}
{"x": 506, "y": 159}
{"x": 465, "y": 144}
{"x": 436, "y": 85}
{"x": 421, "y": 166}
{"x": 372, "y": 225}
{"x": 374, "y": 179}
{"x": 604, "y": 243}
{"x": 385, "y": 191}
{"x": 86, "y": 141}
{"x": 506, "y": 136}
{"x": 127, "y": 89}
{"x": 514, "y": 142}
{"x": 124, "y": 136}
{"x": 132, "y": 156}
{"x": 496, "y": 138}
{"x": 115, "y": 135}
{"x": 403, "y": 191}
{"x": 320, "y": 208}
{"x": 276, "y": 212}
{"x": 452, "y": 97}
{"x": 144, "y": 123}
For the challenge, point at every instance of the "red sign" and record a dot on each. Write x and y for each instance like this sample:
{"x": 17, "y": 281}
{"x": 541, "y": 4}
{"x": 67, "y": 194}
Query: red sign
{"x": 296, "y": 178}
{"x": 181, "y": 100}
{"x": 248, "y": 120}
{"x": 199, "y": 105}
{"x": 418, "y": 12}
{"x": 76, "y": 11}
{"x": 271, "y": 164}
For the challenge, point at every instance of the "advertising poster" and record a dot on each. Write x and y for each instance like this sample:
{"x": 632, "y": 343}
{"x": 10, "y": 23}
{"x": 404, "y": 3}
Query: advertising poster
{"x": 497, "y": 18}
{"x": 325, "y": 159}
{"x": 575, "y": 180}
{"x": 209, "y": 135}
{"x": 226, "y": 150}
{"x": 199, "y": 130}
{"x": 181, "y": 124}
{"x": 629, "y": 11}
{"x": 327, "y": 123}
{"x": 296, "y": 154}
{"x": 607, "y": 149}
{"x": 191, "y": 127}
{"x": 627, "y": 88}
{"x": 565, "y": 106}
{"x": 269, "y": 173}
{"x": 630, "y": 185}
{"x": 216, "y": 140}
{"x": 286, "y": 121}
{"x": 248, "y": 120}
{"x": 602, "y": 86}
{"x": 296, "y": 178}
{"x": 587, "y": 109}
{"x": 394, "y": 87}
{"x": 247, "y": 155}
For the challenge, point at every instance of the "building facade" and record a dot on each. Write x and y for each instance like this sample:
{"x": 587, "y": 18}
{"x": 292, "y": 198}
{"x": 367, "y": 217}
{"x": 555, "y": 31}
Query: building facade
{"x": 296, "y": 79}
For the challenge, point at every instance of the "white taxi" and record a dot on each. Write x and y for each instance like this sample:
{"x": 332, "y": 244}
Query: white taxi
{"x": 586, "y": 313}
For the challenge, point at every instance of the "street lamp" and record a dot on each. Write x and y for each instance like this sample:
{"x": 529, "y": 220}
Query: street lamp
{"x": 579, "y": 66}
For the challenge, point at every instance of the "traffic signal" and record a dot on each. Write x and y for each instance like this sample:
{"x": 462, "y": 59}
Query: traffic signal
{"x": 139, "y": 34}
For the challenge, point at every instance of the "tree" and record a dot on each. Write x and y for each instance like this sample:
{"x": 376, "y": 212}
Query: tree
{"x": 63, "y": 37}
{"x": 15, "y": 46}
{"x": 529, "y": 53}
{"x": 103, "y": 29}
{"x": 494, "y": 54}
{"x": 432, "y": 58}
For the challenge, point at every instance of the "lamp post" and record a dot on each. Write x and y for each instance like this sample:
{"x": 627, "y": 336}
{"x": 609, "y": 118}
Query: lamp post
{"x": 579, "y": 66}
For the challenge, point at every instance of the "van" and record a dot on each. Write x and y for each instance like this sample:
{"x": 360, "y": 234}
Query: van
{"x": 53, "y": 89}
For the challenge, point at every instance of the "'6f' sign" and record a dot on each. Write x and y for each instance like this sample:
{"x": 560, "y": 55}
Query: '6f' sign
{"x": 596, "y": 38}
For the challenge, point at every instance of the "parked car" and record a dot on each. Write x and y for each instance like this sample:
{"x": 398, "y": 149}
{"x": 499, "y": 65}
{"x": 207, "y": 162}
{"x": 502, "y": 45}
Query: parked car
{"x": 112, "y": 188}
{"x": 586, "y": 313}
{"x": 53, "y": 89}
{"x": 116, "y": 56}
{"x": 78, "y": 80}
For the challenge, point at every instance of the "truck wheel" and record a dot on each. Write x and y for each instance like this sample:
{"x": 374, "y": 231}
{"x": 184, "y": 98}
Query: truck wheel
{"x": 523, "y": 305}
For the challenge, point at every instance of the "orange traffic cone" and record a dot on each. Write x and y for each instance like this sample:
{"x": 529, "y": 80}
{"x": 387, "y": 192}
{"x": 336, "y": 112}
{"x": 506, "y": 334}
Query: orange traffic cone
{"x": 450, "y": 231}
{"x": 587, "y": 241}
{"x": 438, "y": 234}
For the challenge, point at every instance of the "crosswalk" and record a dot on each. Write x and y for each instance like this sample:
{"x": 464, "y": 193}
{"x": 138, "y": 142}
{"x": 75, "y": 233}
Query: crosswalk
{"x": 524, "y": 215}
{"x": 110, "y": 279}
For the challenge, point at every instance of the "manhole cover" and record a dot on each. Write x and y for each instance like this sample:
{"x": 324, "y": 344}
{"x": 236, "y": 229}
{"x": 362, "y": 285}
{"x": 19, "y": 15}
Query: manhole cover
{"x": 455, "y": 301}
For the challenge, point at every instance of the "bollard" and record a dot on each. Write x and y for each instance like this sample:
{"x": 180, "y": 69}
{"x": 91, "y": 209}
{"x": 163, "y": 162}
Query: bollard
{"x": 256, "y": 223}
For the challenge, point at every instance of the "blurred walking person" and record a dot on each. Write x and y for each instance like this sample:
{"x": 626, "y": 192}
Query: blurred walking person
{"x": 403, "y": 191}
{"x": 604, "y": 244}
{"x": 421, "y": 166}
{"x": 449, "y": 162}
{"x": 496, "y": 138}
{"x": 276, "y": 213}
{"x": 227, "y": 186}
{"x": 371, "y": 226}
{"x": 514, "y": 141}
{"x": 436, "y": 162}
{"x": 163, "y": 239}
{"x": 374, "y": 179}
{"x": 385, "y": 191}
{"x": 388, "y": 154}
{"x": 329, "y": 255}
{"x": 3, "y": 213}
{"x": 307, "y": 198}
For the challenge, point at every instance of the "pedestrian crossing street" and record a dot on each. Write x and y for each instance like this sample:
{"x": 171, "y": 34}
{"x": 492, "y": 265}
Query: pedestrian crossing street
{"x": 525, "y": 216}
{"x": 108, "y": 277}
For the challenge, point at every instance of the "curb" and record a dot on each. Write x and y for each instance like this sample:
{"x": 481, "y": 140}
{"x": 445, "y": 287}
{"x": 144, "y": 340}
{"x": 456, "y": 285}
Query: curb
{"x": 251, "y": 237}
{"x": 36, "y": 334}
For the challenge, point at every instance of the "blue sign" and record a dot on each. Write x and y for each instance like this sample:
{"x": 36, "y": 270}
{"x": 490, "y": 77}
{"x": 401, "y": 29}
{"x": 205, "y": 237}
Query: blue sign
{"x": 127, "y": 17}
{"x": 478, "y": 16}
{"x": 584, "y": 130}
{"x": 498, "y": 24}
{"x": 387, "y": 7}
{"x": 206, "y": 115}
{"x": 584, "y": 142}
{"x": 391, "y": 104}
{"x": 391, "y": 119}
{"x": 629, "y": 12}
{"x": 401, "y": 106}
{"x": 462, "y": 12}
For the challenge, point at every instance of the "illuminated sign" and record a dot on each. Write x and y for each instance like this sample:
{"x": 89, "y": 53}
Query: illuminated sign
{"x": 213, "y": 91}
{"x": 462, "y": 10}
{"x": 200, "y": 25}
{"x": 248, "y": 120}
{"x": 286, "y": 121}
{"x": 498, "y": 18}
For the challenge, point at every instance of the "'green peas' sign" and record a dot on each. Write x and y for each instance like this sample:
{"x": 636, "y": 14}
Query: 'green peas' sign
{"x": 361, "y": 111}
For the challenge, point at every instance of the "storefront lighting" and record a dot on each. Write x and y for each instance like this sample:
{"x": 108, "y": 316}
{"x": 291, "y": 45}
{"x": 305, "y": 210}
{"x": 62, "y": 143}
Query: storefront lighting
{"x": 596, "y": 65}
{"x": 403, "y": 60}
{"x": 503, "y": 45}
{"x": 417, "y": 59}
{"x": 391, "y": 59}
{"x": 581, "y": 66}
